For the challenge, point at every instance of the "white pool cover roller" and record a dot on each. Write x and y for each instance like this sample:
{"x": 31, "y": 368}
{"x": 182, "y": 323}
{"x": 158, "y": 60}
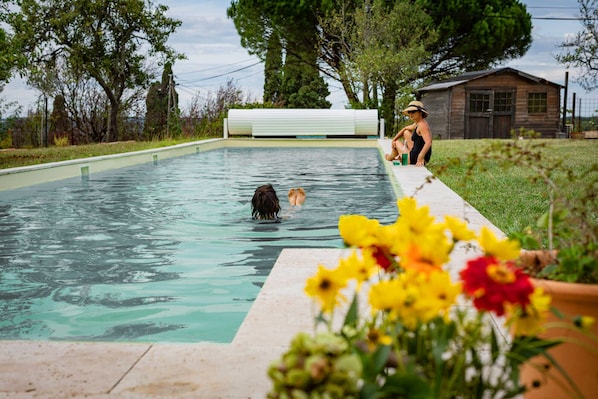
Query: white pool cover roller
{"x": 302, "y": 122}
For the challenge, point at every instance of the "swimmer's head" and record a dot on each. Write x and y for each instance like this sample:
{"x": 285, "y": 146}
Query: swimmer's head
{"x": 265, "y": 204}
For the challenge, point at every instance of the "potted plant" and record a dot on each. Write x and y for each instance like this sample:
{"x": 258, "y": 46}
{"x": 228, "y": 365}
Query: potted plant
{"x": 560, "y": 254}
{"x": 423, "y": 333}
{"x": 577, "y": 135}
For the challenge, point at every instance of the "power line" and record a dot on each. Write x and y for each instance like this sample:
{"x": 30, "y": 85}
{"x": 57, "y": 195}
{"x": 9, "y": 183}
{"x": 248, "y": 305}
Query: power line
{"x": 222, "y": 74}
{"x": 561, "y": 18}
{"x": 216, "y": 67}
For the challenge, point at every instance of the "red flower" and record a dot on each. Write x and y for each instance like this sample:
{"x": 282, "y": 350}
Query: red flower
{"x": 383, "y": 258}
{"x": 491, "y": 284}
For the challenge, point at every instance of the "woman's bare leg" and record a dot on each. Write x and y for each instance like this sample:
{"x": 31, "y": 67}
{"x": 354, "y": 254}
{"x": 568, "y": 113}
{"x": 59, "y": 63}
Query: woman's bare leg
{"x": 393, "y": 154}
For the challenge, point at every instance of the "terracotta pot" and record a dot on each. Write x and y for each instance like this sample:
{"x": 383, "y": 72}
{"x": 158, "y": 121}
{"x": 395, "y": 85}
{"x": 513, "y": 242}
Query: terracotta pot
{"x": 580, "y": 363}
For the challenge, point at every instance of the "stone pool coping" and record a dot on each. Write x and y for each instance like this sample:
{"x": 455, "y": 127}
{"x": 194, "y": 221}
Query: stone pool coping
{"x": 30, "y": 369}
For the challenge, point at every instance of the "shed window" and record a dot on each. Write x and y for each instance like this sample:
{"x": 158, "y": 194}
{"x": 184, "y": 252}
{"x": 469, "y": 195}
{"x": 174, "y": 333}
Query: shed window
{"x": 503, "y": 101}
{"x": 536, "y": 103}
{"x": 479, "y": 102}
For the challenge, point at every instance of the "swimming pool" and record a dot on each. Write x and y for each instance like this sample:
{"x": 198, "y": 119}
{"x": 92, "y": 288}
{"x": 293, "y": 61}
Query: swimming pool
{"x": 167, "y": 252}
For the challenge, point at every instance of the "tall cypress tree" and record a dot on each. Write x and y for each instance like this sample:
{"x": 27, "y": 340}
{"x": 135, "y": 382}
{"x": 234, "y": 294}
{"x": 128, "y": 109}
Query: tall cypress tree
{"x": 273, "y": 70}
{"x": 157, "y": 102}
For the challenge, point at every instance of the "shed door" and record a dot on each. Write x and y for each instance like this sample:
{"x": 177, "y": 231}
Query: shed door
{"x": 477, "y": 117}
{"x": 489, "y": 114}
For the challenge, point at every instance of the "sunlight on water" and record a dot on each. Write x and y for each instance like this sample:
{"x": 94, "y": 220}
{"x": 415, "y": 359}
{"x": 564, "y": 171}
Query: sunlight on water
{"x": 167, "y": 252}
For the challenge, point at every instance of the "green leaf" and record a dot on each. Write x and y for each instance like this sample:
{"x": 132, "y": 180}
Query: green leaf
{"x": 352, "y": 314}
{"x": 406, "y": 385}
{"x": 525, "y": 348}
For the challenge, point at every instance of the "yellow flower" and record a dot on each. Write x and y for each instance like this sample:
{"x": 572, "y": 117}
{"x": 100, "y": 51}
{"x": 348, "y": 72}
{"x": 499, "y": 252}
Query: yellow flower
{"x": 387, "y": 236}
{"x": 442, "y": 292}
{"x": 584, "y": 322}
{"x": 418, "y": 220}
{"x": 384, "y": 295}
{"x": 376, "y": 337}
{"x": 412, "y": 307}
{"x": 504, "y": 249}
{"x": 358, "y": 230}
{"x": 325, "y": 286}
{"x": 531, "y": 320}
{"x": 458, "y": 228}
{"x": 358, "y": 268}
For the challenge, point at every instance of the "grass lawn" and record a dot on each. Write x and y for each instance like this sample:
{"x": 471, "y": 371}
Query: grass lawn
{"x": 13, "y": 158}
{"x": 507, "y": 197}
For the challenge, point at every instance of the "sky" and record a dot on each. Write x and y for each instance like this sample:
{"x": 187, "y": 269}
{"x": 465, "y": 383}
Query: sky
{"x": 215, "y": 55}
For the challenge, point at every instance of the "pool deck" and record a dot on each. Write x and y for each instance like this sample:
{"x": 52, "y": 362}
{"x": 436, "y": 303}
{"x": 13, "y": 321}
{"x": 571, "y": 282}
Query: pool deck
{"x": 237, "y": 370}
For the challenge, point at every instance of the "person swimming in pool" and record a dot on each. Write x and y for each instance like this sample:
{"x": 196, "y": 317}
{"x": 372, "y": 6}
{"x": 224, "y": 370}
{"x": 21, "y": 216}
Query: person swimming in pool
{"x": 265, "y": 204}
{"x": 296, "y": 196}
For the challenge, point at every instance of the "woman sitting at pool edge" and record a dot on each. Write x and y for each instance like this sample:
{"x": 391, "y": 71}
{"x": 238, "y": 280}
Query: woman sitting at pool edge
{"x": 417, "y": 137}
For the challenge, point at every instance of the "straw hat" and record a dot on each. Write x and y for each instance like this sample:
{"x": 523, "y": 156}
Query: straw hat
{"x": 416, "y": 106}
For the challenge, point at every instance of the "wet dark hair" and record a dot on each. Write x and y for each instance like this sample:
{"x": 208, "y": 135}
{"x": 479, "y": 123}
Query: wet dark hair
{"x": 264, "y": 204}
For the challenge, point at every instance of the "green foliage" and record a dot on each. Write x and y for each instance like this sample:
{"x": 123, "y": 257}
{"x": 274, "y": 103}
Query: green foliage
{"x": 384, "y": 51}
{"x": 59, "y": 121}
{"x": 475, "y": 34}
{"x": 273, "y": 70}
{"x": 11, "y": 55}
{"x": 61, "y": 141}
{"x": 160, "y": 121}
{"x": 289, "y": 27}
{"x": 36, "y": 156}
{"x": 105, "y": 41}
{"x": 322, "y": 365}
{"x": 581, "y": 50}
{"x": 565, "y": 184}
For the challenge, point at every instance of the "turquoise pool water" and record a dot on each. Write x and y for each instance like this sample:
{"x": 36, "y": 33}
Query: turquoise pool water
{"x": 168, "y": 252}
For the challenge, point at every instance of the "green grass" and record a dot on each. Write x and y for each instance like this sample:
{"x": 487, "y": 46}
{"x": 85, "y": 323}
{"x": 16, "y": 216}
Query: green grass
{"x": 13, "y": 158}
{"x": 506, "y": 197}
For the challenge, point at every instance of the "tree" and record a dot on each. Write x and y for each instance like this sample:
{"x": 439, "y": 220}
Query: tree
{"x": 457, "y": 36}
{"x": 376, "y": 51}
{"x": 10, "y": 55}
{"x": 107, "y": 41}
{"x": 60, "y": 125}
{"x": 581, "y": 50}
{"x": 273, "y": 70}
{"x": 263, "y": 23}
{"x": 161, "y": 104}
{"x": 474, "y": 35}
{"x": 380, "y": 49}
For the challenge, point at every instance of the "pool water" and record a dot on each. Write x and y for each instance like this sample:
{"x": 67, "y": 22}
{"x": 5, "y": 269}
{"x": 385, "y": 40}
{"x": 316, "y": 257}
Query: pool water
{"x": 167, "y": 252}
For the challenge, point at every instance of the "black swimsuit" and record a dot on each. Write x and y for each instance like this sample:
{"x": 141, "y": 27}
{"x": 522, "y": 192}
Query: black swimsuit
{"x": 418, "y": 145}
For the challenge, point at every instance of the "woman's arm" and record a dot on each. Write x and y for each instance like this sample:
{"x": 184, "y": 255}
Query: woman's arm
{"x": 401, "y": 132}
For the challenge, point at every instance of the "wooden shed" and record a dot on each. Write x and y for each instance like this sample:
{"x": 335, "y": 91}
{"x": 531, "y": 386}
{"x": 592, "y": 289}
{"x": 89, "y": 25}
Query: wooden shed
{"x": 489, "y": 104}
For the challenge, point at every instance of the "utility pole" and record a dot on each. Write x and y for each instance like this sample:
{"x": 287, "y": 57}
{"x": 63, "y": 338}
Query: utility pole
{"x": 564, "y": 124}
{"x": 169, "y": 106}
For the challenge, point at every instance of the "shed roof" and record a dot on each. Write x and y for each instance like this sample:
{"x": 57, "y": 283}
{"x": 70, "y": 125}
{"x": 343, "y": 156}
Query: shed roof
{"x": 469, "y": 76}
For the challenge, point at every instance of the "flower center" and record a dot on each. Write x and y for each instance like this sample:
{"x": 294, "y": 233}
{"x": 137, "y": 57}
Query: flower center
{"x": 501, "y": 274}
{"x": 325, "y": 285}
